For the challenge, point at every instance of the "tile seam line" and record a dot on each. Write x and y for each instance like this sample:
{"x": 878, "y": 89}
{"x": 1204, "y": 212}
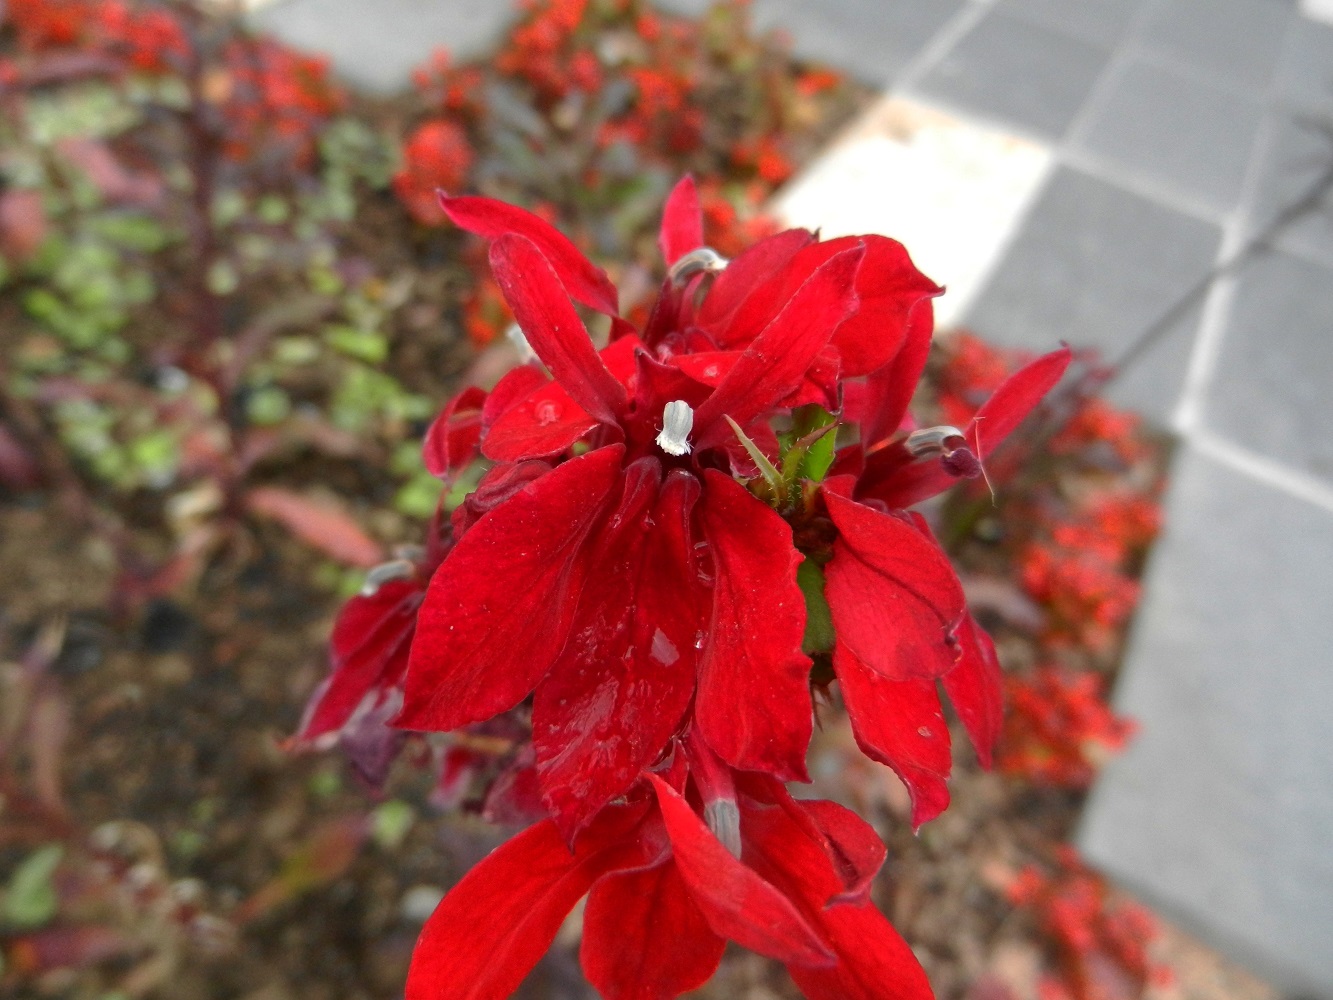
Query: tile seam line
{"x": 940, "y": 44}
{"x": 1188, "y": 416}
{"x": 1292, "y": 482}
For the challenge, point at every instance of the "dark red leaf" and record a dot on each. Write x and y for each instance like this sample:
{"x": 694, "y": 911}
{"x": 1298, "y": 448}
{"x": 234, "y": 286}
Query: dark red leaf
{"x": 318, "y": 523}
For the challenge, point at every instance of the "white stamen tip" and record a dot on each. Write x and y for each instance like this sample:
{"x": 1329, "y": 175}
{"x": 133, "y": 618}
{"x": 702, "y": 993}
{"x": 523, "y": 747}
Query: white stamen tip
{"x": 677, "y": 422}
{"x": 521, "y": 345}
{"x": 703, "y": 260}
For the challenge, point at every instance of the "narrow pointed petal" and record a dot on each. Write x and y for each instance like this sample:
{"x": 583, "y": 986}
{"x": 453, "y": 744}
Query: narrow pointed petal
{"x": 747, "y": 280}
{"x": 618, "y": 690}
{"x": 682, "y": 222}
{"x": 736, "y": 902}
{"x": 544, "y": 423}
{"x": 852, "y": 845}
{"x": 901, "y": 724}
{"x": 553, "y": 328}
{"x": 889, "y": 390}
{"x": 890, "y": 290}
{"x": 368, "y": 650}
{"x": 976, "y": 689}
{"x": 483, "y": 643}
{"x": 1010, "y": 404}
{"x": 490, "y": 219}
{"x": 774, "y": 365}
{"x": 753, "y": 706}
{"x": 644, "y": 938}
{"x": 490, "y": 930}
{"x": 896, "y": 601}
{"x": 451, "y": 441}
{"x": 873, "y": 961}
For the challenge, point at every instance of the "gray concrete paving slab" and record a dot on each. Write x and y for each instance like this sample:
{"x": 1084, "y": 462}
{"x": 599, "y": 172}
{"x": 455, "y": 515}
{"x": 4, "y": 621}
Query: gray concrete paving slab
{"x": 1017, "y": 72}
{"x": 376, "y": 45}
{"x": 1305, "y": 71}
{"x": 1096, "y": 265}
{"x": 1221, "y": 810}
{"x": 1238, "y": 40}
{"x": 1100, "y": 22}
{"x": 1273, "y": 387}
{"x": 1181, "y": 131}
{"x": 870, "y": 39}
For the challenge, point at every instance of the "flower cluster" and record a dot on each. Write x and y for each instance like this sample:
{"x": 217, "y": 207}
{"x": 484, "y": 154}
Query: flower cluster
{"x": 1059, "y": 727}
{"x": 609, "y": 96}
{"x": 1099, "y": 945}
{"x": 678, "y": 539}
{"x": 151, "y": 41}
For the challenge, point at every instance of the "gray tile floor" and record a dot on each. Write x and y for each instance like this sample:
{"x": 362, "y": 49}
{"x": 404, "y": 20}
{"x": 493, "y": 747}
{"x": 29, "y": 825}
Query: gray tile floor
{"x": 1180, "y": 128}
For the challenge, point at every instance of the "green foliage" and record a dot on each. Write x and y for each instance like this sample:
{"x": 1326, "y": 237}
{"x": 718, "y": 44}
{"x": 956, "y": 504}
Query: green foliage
{"x": 30, "y": 898}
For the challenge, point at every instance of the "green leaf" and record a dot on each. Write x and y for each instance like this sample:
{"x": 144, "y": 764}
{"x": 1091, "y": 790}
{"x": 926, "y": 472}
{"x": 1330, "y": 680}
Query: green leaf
{"x": 390, "y": 823}
{"x": 766, "y": 469}
{"x": 30, "y": 898}
{"x": 819, "y": 633}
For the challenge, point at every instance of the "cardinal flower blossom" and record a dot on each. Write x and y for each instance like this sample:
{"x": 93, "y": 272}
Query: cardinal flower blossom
{"x": 626, "y": 574}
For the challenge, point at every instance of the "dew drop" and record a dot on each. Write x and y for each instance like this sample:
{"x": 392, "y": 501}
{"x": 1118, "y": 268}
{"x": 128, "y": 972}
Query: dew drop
{"x": 924, "y": 731}
{"x": 547, "y": 412}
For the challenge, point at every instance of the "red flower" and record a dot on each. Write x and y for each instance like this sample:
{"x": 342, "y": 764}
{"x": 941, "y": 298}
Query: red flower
{"x": 437, "y": 155}
{"x": 631, "y": 580}
{"x": 665, "y": 893}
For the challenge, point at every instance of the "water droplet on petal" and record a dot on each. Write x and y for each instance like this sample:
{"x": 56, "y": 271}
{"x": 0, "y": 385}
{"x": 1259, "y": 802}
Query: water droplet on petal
{"x": 547, "y": 412}
{"x": 924, "y": 731}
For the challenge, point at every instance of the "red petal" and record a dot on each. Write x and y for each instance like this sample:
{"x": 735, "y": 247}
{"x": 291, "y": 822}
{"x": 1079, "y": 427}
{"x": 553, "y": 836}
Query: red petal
{"x": 976, "y": 688}
{"x": 644, "y": 938}
{"x": 451, "y": 441}
{"x": 851, "y": 844}
{"x": 889, "y": 288}
{"x": 490, "y": 219}
{"x": 617, "y": 691}
{"x": 896, "y": 601}
{"x": 753, "y": 706}
{"x": 682, "y": 222}
{"x": 553, "y": 328}
{"x": 488, "y": 933}
{"x": 736, "y": 902}
{"x": 546, "y": 422}
{"x": 1016, "y": 397}
{"x": 873, "y": 961}
{"x": 516, "y": 384}
{"x": 368, "y": 650}
{"x": 750, "y": 282}
{"x": 901, "y": 724}
{"x": 889, "y": 390}
{"x": 498, "y": 609}
{"x": 773, "y": 366}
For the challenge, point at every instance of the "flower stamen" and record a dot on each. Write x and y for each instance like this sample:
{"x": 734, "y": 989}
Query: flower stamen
{"x": 703, "y": 260}
{"x": 677, "y": 422}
